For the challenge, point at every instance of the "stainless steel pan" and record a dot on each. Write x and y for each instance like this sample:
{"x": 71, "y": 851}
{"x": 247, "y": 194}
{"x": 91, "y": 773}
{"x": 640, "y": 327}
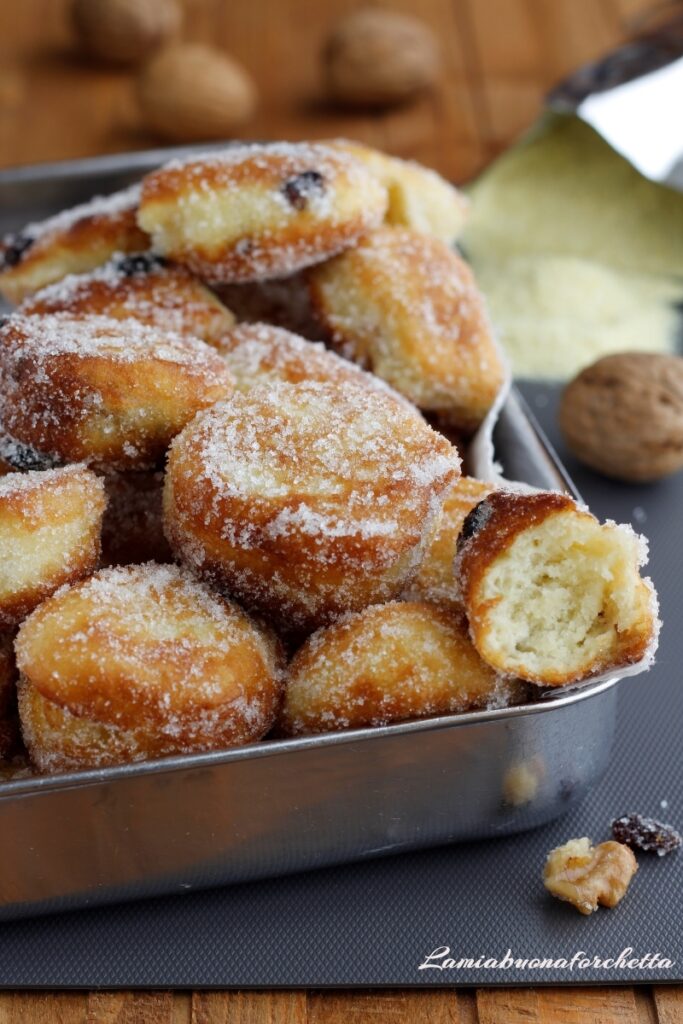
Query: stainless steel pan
{"x": 289, "y": 805}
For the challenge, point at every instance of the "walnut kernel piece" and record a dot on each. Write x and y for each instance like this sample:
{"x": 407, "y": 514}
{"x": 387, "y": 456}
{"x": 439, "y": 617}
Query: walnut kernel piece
{"x": 623, "y": 415}
{"x": 586, "y": 875}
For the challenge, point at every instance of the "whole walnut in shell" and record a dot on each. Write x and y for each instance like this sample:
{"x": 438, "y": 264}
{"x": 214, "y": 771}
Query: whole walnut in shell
{"x": 623, "y": 416}
{"x": 190, "y": 92}
{"x": 377, "y": 57}
{"x": 125, "y": 31}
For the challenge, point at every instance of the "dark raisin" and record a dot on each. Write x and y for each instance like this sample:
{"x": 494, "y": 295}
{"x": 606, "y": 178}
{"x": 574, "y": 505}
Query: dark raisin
{"x": 138, "y": 263}
{"x": 14, "y": 247}
{"x": 23, "y": 457}
{"x": 303, "y": 187}
{"x": 475, "y": 520}
{"x": 645, "y": 834}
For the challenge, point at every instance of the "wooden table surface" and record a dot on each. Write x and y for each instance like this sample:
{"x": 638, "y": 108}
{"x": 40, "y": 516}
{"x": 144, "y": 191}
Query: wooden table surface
{"x": 500, "y": 57}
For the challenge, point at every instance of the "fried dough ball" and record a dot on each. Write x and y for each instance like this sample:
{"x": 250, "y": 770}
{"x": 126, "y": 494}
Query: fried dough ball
{"x": 262, "y": 354}
{"x": 282, "y": 301}
{"x": 133, "y": 530}
{"x": 387, "y": 663}
{"x": 551, "y": 595}
{"x": 406, "y": 307}
{"x": 141, "y": 662}
{"x": 103, "y": 391}
{"x": 419, "y": 198}
{"x": 71, "y": 242}
{"x": 435, "y": 580}
{"x": 10, "y": 738}
{"x": 141, "y": 286}
{"x": 50, "y": 527}
{"x": 258, "y": 211}
{"x": 306, "y": 500}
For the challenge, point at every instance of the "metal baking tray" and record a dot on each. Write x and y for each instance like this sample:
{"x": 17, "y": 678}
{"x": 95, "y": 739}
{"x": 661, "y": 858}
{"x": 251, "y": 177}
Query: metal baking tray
{"x": 279, "y": 806}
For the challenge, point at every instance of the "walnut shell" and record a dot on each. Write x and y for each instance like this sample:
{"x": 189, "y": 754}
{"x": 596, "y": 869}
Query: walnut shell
{"x": 378, "y": 57}
{"x": 125, "y": 31}
{"x": 190, "y": 92}
{"x": 623, "y": 416}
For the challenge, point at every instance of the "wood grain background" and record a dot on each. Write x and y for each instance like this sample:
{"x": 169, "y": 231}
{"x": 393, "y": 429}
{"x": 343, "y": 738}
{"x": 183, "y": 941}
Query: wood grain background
{"x": 500, "y": 58}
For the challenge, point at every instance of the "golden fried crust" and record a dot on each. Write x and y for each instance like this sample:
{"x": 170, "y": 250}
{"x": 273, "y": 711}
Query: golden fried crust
{"x": 141, "y": 662}
{"x": 103, "y": 391}
{"x": 132, "y": 530}
{"x": 419, "y": 198}
{"x": 50, "y": 527}
{"x": 305, "y": 500}
{"x": 387, "y": 663}
{"x": 141, "y": 286}
{"x": 406, "y": 307}
{"x": 262, "y": 354}
{"x": 259, "y": 211}
{"x": 490, "y": 530}
{"x": 70, "y": 243}
{"x": 435, "y": 580}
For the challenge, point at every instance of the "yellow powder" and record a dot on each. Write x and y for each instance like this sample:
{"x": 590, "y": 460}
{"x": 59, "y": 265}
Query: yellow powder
{"x": 578, "y": 254}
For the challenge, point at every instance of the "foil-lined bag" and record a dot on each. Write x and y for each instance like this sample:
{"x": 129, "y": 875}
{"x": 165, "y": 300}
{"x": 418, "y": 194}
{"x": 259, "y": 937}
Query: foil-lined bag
{"x": 576, "y": 233}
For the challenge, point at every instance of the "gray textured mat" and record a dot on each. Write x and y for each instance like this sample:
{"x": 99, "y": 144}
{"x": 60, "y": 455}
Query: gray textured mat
{"x": 373, "y": 923}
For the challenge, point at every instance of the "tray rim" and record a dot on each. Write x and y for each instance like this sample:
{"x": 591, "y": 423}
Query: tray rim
{"x": 106, "y": 163}
{"x": 36, "y": 785}
{"x": 547, "y": 700}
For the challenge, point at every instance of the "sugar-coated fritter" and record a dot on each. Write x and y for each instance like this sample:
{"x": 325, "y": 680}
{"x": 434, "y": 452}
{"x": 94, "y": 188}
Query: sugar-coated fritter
{"x": 387, "y": 663}
{"x": 306, "y": 500}
{"x": 256, "y": 211}
{"x": 406, "y": 306}
{"x": 141, "y": 662}
{"x": 552, "y": 595}
{"x": 71, "y": 242}
{"x": 142, "y": 286}
{"x": 50, "y": 525}
{"x": 103, "y": 391}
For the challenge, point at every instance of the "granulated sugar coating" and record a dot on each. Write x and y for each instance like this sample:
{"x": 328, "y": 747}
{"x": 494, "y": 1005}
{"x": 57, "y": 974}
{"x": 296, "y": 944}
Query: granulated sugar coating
{"x": 50, "y": 525}
{"x": 388, "y": 663}
{"x": 105, "y": 391}
{"x": 72, "y": 241}
{"x": 259, "y": 211}
{"x": 140, "y": 662}
{"x": 406, "y": 307}
{"x": 305, "y": 500}
{"x": 436, "y": 581}
{"x": 262, "y": 354}
{"x": 42, "y": 337}
{"x": 139, "y": 286}
{"x": 98, "y": 206}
